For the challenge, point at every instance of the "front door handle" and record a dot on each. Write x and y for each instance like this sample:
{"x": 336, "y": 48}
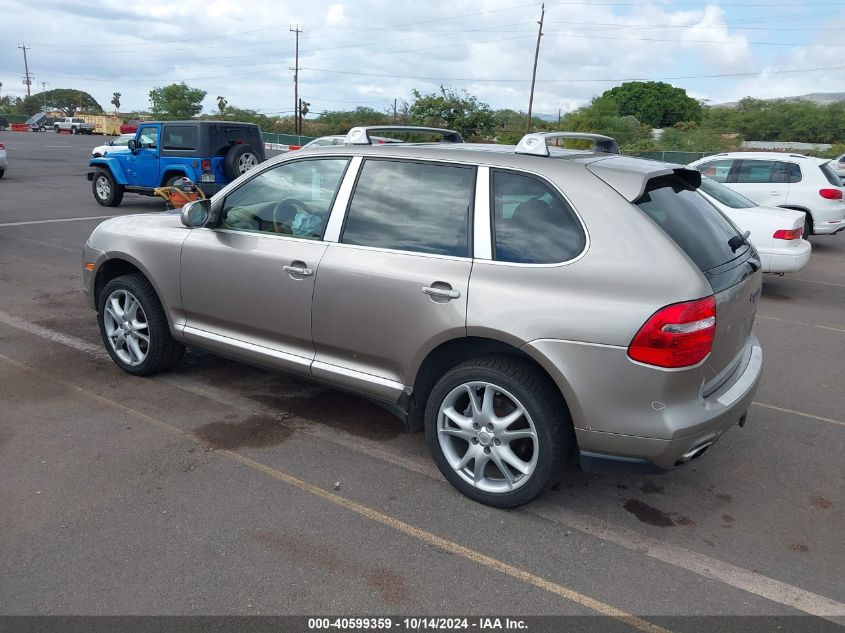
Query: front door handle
{"x": 441, "y": 293}
{"x": 298, "y": 269}
{"x": 775, "y": 193}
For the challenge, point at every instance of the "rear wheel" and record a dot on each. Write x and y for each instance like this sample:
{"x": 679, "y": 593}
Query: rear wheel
{"x": 2, "y": 171}
{"x": 106, "y": 191}
{"x": 134, "y": 327}
{"x": 498, "y": 430}
{"x": 73, "y": 130}
{"x": 58, "y": 131}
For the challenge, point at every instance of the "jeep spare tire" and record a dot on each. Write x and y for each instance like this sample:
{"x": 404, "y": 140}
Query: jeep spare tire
{"x": 239, "y": 160}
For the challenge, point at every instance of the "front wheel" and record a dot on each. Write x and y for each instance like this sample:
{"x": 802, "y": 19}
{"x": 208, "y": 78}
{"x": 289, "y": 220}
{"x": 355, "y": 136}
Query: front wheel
{"x": 498, "y": 430}
{"x": 106, "y": 191}
{"x": 134, "y": 327}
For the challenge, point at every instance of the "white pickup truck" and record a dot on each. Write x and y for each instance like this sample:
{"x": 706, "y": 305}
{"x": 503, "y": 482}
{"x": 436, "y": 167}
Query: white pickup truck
{"x": 74, "y": 125}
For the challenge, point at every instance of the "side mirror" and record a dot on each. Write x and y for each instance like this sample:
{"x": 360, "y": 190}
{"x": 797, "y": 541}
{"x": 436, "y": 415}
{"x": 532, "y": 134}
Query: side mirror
{"x": 132, "y": 145}
{"x": 195, "y": 214}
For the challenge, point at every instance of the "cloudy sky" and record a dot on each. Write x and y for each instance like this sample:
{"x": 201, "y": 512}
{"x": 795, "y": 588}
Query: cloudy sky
{"x": 372, "y": 51}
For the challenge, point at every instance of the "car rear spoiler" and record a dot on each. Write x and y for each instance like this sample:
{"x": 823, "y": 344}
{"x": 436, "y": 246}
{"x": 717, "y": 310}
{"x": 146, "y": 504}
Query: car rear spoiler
{"x": 630, "y": 176}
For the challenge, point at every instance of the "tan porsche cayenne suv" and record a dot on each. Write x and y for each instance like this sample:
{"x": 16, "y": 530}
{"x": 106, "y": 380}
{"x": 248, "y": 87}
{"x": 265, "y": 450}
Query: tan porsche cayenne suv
{"x": 529, "y": 307}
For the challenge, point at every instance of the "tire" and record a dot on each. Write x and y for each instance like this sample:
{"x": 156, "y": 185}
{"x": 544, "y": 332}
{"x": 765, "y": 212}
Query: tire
{"x": 73, "y": 130}
{"x": 239, "y": 160}
{"x": 2, "y": 172}
{"x": 41, "y": 128}
{"x": 106, "y": 191}
{"x": 541, "y": 457}
{"x": 58, "y": 131}
{"x": 808, "y": 226}
{"x": 171, "y": 180}
{"x": 128, "y": 310}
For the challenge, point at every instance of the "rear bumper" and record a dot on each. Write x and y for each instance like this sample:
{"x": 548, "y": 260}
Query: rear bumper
{"x": 828, "y": 228}
{"x": 787, "y": 260}
{"x": 629, "y": 417}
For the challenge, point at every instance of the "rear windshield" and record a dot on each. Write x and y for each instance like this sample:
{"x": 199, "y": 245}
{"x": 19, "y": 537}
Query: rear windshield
{"x": 694, "y": 224}
{"x": 832, "y": 177}
{"x": 725, "y": 195}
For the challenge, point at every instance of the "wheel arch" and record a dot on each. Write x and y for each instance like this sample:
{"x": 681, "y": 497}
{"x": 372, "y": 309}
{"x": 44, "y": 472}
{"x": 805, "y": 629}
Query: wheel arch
{"x": 112, "y": 166}
{"x": 120, "y": 264}
{"x": 454, "y": 351}
{"x": 171, "y": 171}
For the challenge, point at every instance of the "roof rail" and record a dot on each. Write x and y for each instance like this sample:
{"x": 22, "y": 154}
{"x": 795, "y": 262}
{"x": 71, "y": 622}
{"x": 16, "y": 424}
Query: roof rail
{"x": 361, "y": 135}
{"x": 537, "y": 144}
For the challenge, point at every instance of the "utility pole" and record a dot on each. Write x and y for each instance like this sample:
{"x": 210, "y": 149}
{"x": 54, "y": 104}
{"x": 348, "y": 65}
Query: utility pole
{"x": 296, "y": 115}
{"x": 534, "y": 72}
{"x": 394, "y": 111}
{"x": 44, "y": 92}
{"x": 558, "y": 119}
{"x": 27, "y": 79}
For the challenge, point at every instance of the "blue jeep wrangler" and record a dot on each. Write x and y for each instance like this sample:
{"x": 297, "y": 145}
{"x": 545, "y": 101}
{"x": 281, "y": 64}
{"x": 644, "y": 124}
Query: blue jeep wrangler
{"x": 210, "y": 153}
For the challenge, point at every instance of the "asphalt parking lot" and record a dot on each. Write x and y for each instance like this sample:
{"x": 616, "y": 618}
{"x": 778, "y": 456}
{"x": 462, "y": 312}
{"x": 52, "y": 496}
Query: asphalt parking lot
{"x": 224, "y": 489}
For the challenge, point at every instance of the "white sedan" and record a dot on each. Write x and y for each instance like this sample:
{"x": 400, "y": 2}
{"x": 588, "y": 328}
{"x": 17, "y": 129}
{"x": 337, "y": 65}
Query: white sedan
{"x": 3, "y": 163}
{"x": 116, "y": 144}
{"x": 775, "y": 232}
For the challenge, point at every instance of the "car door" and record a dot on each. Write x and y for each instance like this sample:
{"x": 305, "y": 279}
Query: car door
{"x": 395, "y": 284}
{"x": 766, "y": 182}
{"x": 247, "y": 285}
{"x": 142, "y": 165}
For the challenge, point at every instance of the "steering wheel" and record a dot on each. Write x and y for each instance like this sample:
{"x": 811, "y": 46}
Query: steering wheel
{"x": 284, "y": 213}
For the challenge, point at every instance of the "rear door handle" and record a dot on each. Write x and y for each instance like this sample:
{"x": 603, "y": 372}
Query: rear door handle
{"x": 441, "y": 293}
{"x": 298, "y": 269}
{"x": 775, "y": 193}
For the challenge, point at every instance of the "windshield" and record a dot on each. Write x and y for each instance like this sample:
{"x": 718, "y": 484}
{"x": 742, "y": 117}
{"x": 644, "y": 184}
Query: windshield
{"x": 725, "y": 195}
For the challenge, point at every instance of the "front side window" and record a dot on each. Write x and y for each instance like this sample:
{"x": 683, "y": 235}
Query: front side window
{"x": 531, "y": 223}
{"x": 179, "y": 137}
{"x": 419, "y": 207}
{"x": 148, "y": 137}
{"x": 294, "y": 199}
{"x": 717, "y": 170}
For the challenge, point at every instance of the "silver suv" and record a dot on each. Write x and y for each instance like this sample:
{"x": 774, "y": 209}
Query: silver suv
{"x": 528, "y": 307}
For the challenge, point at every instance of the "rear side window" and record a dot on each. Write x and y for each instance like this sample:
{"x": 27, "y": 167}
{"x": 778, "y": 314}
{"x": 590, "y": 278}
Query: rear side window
{"x": 717, "y": 170}
{"x": 768, "y": 171}
{"x": 179, "y": 137}
{"x": 725, "y": 195}
{"x": 832, "y": 177}
{"x": 531, "y": 223}
{"x": 420, "y": 207}
{"x": 694, "y": 224}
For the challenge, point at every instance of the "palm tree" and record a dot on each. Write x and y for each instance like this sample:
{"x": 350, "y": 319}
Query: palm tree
{"x": 115, "y": 100}
{"x": 221, "y": 104}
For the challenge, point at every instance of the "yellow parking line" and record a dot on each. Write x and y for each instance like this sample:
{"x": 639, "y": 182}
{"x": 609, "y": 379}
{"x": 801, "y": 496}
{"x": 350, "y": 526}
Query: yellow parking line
{"x": 374, "y": 515}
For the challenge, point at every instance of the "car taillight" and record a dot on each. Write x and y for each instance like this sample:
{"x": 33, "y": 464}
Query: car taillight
{"x": 789, "y": 234}
{"x": 293, "y": 148}
{"x": 831, "y": 194}
{"x": 678, "y": 335}
{"x": 206, "y": 165}
{"x": 2, "y": 146}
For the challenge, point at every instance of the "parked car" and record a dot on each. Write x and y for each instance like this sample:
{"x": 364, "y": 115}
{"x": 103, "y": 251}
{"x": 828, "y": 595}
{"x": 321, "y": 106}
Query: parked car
{"x": 209, "y": 153}
{"x": 338, "y": 139}
{"x": 4, "y": 163}
{"x": 792, "y": 181}
{"x": 776, "y": 232}
{"x": 527, "y": 306}
{"x": 4, "y": 123}
{"x": 74, "y": 125}
{"x": 130, "y": 127}
{"x": 119, "y": 143}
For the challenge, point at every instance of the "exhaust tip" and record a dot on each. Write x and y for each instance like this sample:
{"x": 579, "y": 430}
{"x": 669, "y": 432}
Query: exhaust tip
{"x": 695, "y": 452}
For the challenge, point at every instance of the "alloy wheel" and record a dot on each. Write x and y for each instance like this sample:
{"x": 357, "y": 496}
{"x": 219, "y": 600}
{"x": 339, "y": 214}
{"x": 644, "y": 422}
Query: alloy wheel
{"x": 487, "y": 437}
{"x": 127, "y": 329}
{"x": 246, "y": 162}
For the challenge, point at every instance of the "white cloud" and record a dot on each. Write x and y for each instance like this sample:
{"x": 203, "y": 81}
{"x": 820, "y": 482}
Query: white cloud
{"x": 378, "y": 50}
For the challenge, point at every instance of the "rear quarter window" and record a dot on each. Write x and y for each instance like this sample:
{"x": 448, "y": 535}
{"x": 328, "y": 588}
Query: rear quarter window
{"x": 694, "y": 224}
{"x": 832, "y": 177}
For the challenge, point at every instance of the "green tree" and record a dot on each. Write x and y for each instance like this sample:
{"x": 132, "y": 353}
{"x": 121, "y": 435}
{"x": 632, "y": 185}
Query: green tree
{"x": 459, "y": 111}
{"x": 67, "y": 100}
{"x": 221, "y": 104}
{"x": 177, "y": 101}
{"x": 115, "y": 101}
{"x": 654, "y": 103}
